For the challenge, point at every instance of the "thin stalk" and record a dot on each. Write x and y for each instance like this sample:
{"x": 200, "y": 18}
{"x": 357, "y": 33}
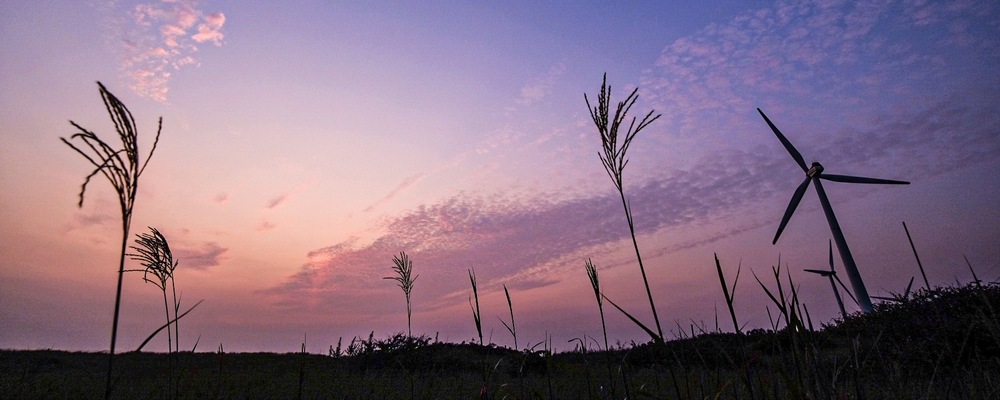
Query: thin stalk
{"x": 917, "y": 256}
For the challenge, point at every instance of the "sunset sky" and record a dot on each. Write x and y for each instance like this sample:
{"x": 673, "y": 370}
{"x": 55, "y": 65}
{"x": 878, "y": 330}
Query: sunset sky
{"x": 305, "y": 143}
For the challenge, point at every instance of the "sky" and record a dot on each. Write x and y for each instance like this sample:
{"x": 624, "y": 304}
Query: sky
{"x": 304, "y": 144}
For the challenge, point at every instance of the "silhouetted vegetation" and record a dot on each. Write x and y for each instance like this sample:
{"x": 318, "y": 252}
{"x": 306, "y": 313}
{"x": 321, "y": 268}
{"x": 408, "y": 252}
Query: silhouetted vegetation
{"x": 941, "y": 344}
{"x": 122, "y": 169}
{"x": 404, "y": 278}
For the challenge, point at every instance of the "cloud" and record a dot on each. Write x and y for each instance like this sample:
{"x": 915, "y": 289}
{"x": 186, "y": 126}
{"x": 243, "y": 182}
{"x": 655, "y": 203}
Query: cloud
{"x": 403, "y": 186}
{"x": 812, "y": 57}
{"x": 159, "y": 38}
{"x": 211, "y": 29}
{"x": 277, "y": 201}
{"x": 540, "y": 87}
{"x": 221, "y": 198}
{"x": 519, "y": 241}
{"x": 283, "y": 198}
{"x": 528, "y": 242}
{"x": 264, "y": 226}
{"x": 199, "y": 256}
{"x": 96, "y": 218}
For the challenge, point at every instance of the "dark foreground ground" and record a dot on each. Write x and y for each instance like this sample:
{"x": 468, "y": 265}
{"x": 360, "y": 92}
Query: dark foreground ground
{"x": 941, "y": 344}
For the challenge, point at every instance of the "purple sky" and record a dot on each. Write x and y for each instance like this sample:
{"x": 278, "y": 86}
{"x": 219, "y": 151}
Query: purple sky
{"x": 305, "y": 145}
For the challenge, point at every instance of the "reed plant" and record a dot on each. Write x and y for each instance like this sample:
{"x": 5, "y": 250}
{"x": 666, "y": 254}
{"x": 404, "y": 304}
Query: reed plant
{"x": 122, "y": 169}
{"x": 614, "y": 157}
{"x": 404, "y": 279}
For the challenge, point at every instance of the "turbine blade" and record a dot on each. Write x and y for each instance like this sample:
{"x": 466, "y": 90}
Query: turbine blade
{"x": 819, "y": 271}
{"x": 796, "y": 198}
{"x": 859, "y": 179}
{"x": 788, "y": 145}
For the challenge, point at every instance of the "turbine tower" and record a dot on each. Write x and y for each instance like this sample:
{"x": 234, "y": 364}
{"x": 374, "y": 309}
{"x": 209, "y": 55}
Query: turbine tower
{"x": 815, "y": 174}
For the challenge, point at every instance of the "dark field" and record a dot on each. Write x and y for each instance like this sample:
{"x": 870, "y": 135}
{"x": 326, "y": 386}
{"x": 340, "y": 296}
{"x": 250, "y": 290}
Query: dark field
{"x": 943, "y": 343}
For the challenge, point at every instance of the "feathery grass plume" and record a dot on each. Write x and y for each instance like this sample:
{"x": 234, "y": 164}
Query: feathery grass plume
{"x": 122, "y": 169}
{"x": 404, "y": 270}
{"x": 153, "y": 253}
{"x": 614, "y": 158}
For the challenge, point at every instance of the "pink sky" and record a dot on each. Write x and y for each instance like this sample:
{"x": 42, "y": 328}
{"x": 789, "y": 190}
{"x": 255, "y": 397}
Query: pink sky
{"x": 304, "y": 146}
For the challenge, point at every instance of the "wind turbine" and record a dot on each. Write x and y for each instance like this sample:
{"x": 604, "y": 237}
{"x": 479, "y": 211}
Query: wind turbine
{"x": 814, "y": 174}
{"x": 832, "y": 275}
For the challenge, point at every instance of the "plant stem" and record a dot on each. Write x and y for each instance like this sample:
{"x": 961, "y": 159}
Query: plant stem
{"x": 118, "y": 302}
{"x": 638, "y": 257}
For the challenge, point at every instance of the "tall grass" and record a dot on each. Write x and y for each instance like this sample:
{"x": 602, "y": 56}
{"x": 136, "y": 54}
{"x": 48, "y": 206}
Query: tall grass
{"x": 122, "y": 168}
{"x": 614, "y": 157}
{"x": 404, "y": 279}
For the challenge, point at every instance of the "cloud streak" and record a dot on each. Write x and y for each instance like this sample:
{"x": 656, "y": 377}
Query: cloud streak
{"x": 405, "y": 185}
{"x": 200, "y": 256}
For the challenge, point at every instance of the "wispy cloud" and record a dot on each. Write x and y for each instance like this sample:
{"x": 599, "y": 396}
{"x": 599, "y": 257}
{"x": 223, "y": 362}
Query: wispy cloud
{"x": 160, "y": 38}
{"x": 264, "y": 226}
{"x": 403, "y": 186}
{"x": 810, "y": 57}
{"x": 541, "y": 87}
{"x": 200, "y": 256}
{"x": 518, "y": 240}
{"x": 277, "y": 201}
{"x": 531, "y": 241}
{"x": 221, "y": 198}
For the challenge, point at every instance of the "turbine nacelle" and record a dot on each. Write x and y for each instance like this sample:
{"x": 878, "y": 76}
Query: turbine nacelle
{"x": 815, "y": 170}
